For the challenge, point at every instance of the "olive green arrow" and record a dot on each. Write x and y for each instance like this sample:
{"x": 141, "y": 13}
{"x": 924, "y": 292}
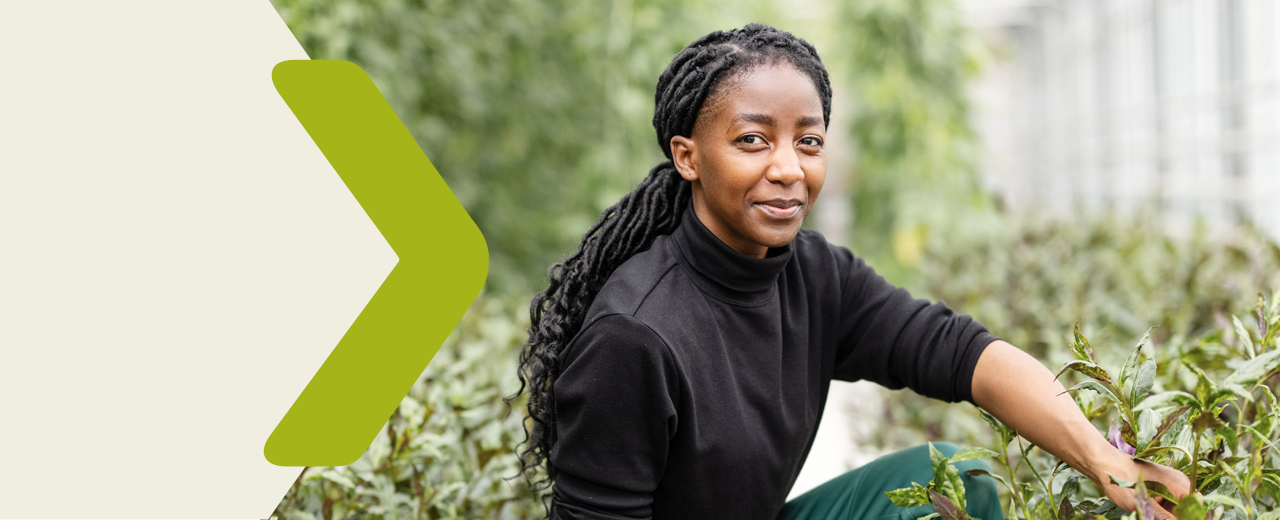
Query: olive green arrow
{"x": 442, "y": 267}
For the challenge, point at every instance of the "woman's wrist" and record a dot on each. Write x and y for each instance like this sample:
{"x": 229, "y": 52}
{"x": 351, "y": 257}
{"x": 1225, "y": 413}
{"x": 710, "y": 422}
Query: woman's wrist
{"x": 1102, "y": 459}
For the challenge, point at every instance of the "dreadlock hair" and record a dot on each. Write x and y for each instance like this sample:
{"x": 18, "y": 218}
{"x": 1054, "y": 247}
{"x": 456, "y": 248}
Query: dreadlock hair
{"x": 702, "y": 70}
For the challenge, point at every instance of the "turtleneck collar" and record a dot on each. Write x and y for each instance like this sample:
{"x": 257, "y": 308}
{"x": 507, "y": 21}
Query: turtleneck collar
{"x": 722, "y": 272}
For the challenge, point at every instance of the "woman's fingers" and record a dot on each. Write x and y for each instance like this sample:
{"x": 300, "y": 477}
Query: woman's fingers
{"x": 1177, "y": 482}
{"x": 1162, "y": 513}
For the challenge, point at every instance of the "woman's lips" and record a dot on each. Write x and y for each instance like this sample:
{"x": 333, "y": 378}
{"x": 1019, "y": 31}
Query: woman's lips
{"x": 779, "y": 209}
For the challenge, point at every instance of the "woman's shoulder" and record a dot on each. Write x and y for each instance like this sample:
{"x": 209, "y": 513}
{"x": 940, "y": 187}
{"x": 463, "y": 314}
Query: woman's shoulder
{"x": 632, "y": 282}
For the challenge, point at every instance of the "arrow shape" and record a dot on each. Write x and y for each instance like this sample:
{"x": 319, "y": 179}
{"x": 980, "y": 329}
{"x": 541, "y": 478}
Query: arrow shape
{"x": 442, "y": 267}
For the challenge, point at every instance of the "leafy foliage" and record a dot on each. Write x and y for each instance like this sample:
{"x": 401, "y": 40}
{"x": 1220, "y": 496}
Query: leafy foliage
{"x": 946, "y": 491}
{"x": 448, "y": 451}
{"x": 1195, "y": 393}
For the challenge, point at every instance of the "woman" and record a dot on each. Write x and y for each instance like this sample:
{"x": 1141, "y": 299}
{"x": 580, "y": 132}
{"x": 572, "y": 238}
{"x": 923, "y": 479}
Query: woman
{"x": 679, "y": 361}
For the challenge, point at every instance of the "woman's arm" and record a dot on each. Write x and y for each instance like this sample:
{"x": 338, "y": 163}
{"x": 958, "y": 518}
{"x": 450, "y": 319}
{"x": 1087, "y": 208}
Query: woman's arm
{"x": 1017, "y": 389}
{"x": 614, "y": 415}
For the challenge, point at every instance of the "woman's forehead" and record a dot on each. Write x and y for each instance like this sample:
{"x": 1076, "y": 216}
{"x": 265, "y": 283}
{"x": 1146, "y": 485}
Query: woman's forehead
{"x": 769, "y": 95}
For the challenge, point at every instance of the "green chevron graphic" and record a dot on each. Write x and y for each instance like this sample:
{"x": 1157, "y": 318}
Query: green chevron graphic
{"x": 442, "y": 267}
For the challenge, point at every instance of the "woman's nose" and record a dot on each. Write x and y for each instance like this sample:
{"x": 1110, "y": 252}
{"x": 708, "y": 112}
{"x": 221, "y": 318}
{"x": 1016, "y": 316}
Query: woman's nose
{"x": 786, "y": 168}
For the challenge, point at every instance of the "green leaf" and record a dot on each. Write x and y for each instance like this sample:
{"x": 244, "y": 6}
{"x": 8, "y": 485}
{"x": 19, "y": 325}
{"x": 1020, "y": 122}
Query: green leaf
{"x": 1119, "y": 481}
{"x": 1205, "y": 387}
{"x": 914, "y": 496}
{"x": 1157, "y": 488}
{"x": 1229, "y": 436}
{"x": 1143, "y": 381}
{"x": 980, "y": 471}
{"x": 1228, "y": 391}
{"x": 1169, "y": 421}
{"x": 1070, "y": 487}
{"x": 946, "y": 478}
{"x": 972, "y": 454}
{"x": 1164, "y": 398}
{"x": 1127, "y": 373}
{"x": 1042, "y": 511}
{"x": 1190, "y": 508}
{"x": 1148, "y": 425}
{"x": 1253, "y": 370}
{"x": 1006, "y": 433}
{"x": 1243, "y": 336}
{"x": 1224, "y": 500}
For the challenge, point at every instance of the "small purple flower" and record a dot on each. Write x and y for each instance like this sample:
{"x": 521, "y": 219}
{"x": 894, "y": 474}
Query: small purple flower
{"x": 1118, "y": 441}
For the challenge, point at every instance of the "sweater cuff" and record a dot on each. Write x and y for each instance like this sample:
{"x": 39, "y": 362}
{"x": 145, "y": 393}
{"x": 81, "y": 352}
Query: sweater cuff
{"x": 964, "y": 384}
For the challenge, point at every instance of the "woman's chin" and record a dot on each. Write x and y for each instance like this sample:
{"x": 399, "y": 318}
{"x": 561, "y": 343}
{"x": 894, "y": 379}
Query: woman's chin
{"x": 778, "y": 236}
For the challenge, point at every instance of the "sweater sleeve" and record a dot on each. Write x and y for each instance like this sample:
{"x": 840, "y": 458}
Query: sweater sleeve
{"x": 615, "y": 413}
{"x": 897, "y": 341}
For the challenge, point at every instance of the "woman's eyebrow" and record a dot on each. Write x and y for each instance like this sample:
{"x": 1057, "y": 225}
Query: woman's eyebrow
{"x": 768, "y": 120}
{"x": 809, "y": 121}
{"x": 763, "y": 119}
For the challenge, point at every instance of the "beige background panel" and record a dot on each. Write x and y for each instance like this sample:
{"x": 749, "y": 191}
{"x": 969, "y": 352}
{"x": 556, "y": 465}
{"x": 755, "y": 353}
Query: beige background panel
{"x": 176, "y": 259}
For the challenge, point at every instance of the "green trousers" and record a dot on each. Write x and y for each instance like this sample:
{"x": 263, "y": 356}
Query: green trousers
{"x": 859, "y": 493}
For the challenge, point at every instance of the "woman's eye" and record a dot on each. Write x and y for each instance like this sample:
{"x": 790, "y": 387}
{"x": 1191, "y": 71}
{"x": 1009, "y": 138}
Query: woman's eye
{"x": 811, "y": 141}
{"x": 749, "y": 139}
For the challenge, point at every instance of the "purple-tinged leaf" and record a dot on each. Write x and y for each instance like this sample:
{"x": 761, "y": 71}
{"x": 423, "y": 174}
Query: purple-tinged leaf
{"x": 1102, "y": 388}
{"x": 1084, "y": 367}
{"x": 1205, "y": 420}
{"x": 947, "y": 509}
{"x": 1081, "y": 347}
{"x": 1065, "y": 510}
{"x": 1146, "y": 506}
{"x": 1117, "y": 440}
{"x": 1128, "y": 434}
{"x": 1169, "y": 420}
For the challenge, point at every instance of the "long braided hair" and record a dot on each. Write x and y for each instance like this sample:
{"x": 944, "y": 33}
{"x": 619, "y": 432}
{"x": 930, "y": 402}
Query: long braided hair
{"x": 704, "y": 69}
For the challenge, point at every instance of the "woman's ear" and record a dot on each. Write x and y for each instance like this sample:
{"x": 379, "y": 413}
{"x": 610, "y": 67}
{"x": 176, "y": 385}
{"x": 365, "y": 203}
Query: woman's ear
{"x": 684, "y": 153}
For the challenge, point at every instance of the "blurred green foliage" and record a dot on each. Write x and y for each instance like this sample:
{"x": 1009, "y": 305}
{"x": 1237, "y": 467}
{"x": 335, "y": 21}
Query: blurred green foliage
{"x": 907, "y": 64}
{"x": 448, "y": 451}
{"x": 537, "y": 114}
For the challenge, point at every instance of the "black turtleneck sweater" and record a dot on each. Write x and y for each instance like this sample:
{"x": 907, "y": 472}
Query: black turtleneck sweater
{"x": 695, "y": 386}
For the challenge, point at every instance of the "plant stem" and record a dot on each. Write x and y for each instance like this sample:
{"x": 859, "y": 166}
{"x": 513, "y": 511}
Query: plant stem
{"x": 1013, "y": 481}
{"x": 1195, "y": 462}
{"x": 1047, "y": 488}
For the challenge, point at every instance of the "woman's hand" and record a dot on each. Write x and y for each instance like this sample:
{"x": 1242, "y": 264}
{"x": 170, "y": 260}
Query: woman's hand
{"x": 1017, "y": 389}
{"x": 1122, "y": 466}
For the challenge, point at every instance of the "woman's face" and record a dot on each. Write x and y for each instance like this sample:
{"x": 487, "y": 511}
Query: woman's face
{"x": 756, "y": 159}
